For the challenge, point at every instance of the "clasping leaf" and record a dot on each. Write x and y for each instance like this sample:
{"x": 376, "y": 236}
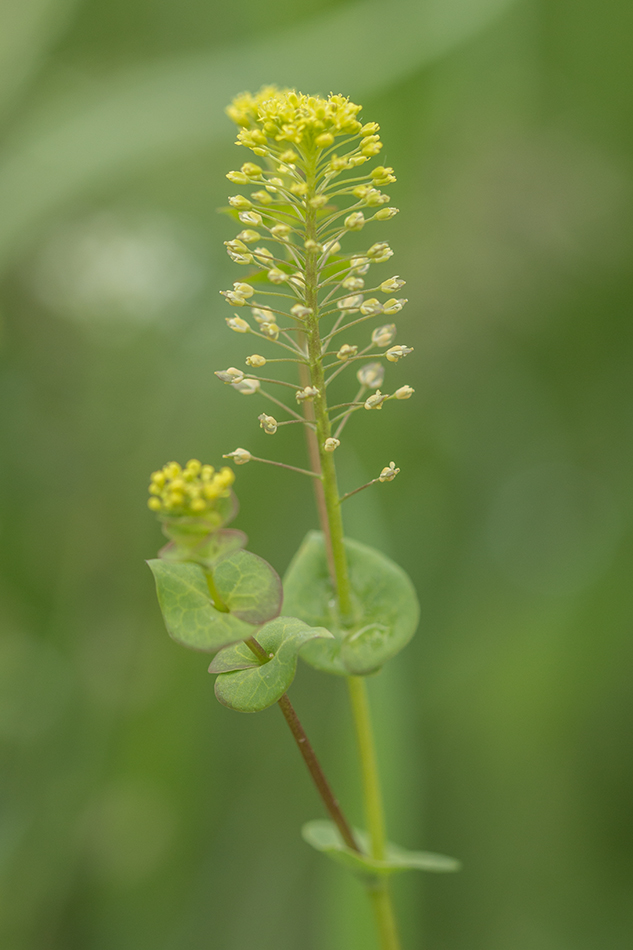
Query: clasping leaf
{"x": 385, "y": 607}
{"x": 246, "y": 685}
{"x": 188, "y": 612}
{"x": 324, "y": 836}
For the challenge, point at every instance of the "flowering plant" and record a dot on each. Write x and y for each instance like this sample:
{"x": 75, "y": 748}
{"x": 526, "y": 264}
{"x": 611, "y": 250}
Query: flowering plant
{"x": 347, "y": 608}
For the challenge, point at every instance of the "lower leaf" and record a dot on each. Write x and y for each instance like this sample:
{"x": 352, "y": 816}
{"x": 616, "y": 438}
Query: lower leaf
{"x": 324, "y": 836}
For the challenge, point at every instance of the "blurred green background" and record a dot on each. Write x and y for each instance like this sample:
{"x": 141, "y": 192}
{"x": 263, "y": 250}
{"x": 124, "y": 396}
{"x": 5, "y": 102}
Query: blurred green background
{"x": 138, "y": 814}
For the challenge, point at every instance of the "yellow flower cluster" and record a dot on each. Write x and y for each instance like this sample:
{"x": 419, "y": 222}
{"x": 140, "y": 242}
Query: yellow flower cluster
{"x": 289, "y": 116}
{"x": 191, "y": 490}
{"x": 245, "y": 107}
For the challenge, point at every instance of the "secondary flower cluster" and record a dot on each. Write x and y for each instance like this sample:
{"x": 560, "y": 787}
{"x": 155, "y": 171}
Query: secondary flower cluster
{"x": 191, "y": 490}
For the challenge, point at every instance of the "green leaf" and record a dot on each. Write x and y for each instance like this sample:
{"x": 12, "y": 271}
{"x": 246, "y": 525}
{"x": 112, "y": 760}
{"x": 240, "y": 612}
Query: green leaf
{"x": 188, "y": 612}
{"x": 324, "y": 836}
{"x": 211, "y": 548}
{"x": 248, "y": 686}
{"x": 385, "y": 607}
{"x": 249, "y": 587}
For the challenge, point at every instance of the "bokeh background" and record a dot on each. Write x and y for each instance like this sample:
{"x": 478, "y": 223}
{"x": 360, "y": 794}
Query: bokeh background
{"x": 138, "y": 814}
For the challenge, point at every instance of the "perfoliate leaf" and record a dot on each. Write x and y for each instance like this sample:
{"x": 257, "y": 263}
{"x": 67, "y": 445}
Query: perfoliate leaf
{"x": 188, "y": 612}
{"x": 324, "y": 836}
{"x": 248, "y": 686}
{"x": 385, "y": 607}
{"x": 249, "y": 587}
{"x": 208, "y": 550}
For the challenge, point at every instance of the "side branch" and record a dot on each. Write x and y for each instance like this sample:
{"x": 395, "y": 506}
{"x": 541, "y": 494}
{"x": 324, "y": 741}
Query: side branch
{"x": 318, "y": 776}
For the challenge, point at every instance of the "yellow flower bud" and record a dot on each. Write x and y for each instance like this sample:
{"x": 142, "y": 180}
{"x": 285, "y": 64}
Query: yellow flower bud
{"x": 262, "y": 197}
{"x": 256, "y": 360}
{"x": 394, "y": 306}
{"x": 355, "y": 221}
{"x": 250, "y": 217}
{"x": 237, "y": 324}
{"x": 405, "y": 392}
{"x": 371, "y": 307}
{"x": 392, "y": 285}
{"x": 239, "y": 456}
{"x": 240, "y": 202}
{"x": 271, "y": 330}
{"x": 389, "y": 473}
{"x": 385, "y": 213}
{"x": 325, "y": 139}
{"x": 238, "y": 178}
{"x": 383, "y": 336}
{"x": 248, "y": 236}
{"x": 281, "y": 232}
{"x": 375, "y": 401}
{"x": 346, "y": 352}
{"x": 244, "y": 290}
{"x": 351, "y": 304}
{"x": 299, "y": 310}
{"x": 251, "y": 170}
{"x": 154, "y": 504}
{"x": 330, "y": 445}
{"x": 263, "y": 314}
{"x": 398, "y": 352}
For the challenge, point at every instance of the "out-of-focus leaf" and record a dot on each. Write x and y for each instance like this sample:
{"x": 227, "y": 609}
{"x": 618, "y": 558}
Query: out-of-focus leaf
{"x": 151, "y": 113}
{"x": 260, "y": 686}
{"x": 29, "y": 28}
{"x": 384, "y": 601}
{"x": 324, "y": 836}
{"x": 249, "y": 587}
{"x": 189, "y": 614}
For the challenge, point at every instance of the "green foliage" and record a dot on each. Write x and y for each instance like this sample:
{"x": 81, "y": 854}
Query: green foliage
{"x": 249, "y": 587}
{"x": 385, "y": 607}
{"x": 324, "y": 836}
{"x": 207, "y": 551}
{"x": 246, "y": 685}
{"x": 188, "y": 611}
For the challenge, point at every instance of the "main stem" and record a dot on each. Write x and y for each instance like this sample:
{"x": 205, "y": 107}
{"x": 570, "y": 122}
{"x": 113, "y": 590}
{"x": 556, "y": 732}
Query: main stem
{"x": 333, "y": 531}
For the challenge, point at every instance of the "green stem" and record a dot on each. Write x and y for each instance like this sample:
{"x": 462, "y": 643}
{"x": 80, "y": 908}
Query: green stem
{"x": 333, "y": 529}
{"x": 385, "y": 920}
{"x": 369, "y": 765}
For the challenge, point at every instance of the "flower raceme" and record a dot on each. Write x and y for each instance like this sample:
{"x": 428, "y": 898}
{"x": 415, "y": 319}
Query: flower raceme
{"x": 309, "y": 191}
